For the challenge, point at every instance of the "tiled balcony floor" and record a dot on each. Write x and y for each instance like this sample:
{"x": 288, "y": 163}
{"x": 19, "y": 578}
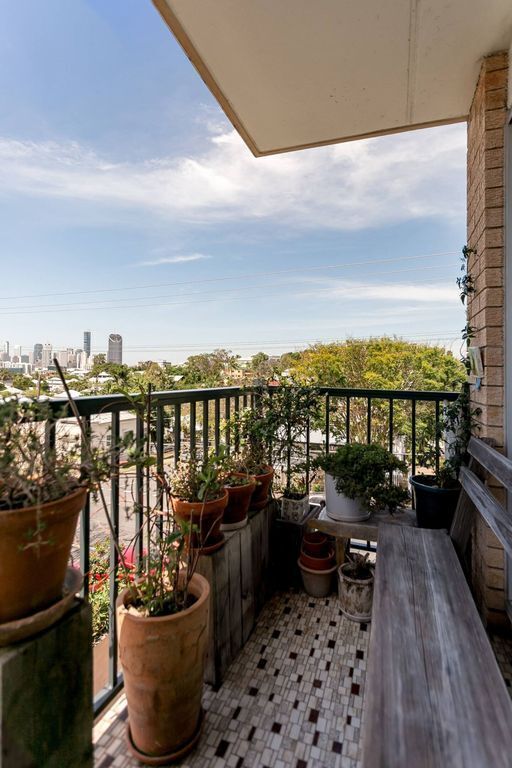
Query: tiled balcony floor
{"x": 292, "y": 699}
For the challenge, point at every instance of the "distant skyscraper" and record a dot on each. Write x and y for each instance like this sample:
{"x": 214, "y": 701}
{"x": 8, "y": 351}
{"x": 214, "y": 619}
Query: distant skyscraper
{"x": 115, "y": 348}
{"x": 38, "y": 353}
{"x": 87, "y": 343}
{"x": 47, "y": 355}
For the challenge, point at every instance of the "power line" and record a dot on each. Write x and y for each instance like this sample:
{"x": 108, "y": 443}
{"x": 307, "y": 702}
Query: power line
{"x": 219, "y": 297}
{"x": 233, "y": 277}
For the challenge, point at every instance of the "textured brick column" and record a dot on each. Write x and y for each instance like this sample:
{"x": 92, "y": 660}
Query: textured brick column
{"x": 485, "y": 196}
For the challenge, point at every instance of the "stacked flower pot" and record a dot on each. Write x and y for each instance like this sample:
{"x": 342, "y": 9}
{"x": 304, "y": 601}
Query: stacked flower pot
{"x": 317, "y": 563}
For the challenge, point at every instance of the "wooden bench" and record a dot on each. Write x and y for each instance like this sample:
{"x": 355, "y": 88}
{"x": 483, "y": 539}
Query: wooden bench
{"x": 435, "y": 697}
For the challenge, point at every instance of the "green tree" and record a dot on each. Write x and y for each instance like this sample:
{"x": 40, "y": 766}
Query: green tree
{"x": 210, "y": 369}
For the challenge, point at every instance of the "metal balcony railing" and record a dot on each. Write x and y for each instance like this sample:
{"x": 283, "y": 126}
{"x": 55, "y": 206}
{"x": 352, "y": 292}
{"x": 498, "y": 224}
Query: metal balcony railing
{"x": 191, "y": 421}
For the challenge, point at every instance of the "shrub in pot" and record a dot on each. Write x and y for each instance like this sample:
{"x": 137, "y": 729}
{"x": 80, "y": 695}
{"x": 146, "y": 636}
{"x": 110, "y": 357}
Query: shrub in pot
{"x": 42, "y": 492}
{"x": 359, "y": 479}
{"x": 199, "y": 500}
{"x": 355, "y": 587}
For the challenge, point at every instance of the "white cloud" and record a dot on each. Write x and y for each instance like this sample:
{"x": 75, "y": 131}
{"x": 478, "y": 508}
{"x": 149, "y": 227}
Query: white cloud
{"x": 346, "y": 186}
{"x": 351, "y": 290}
{"x": 183, "y": 259}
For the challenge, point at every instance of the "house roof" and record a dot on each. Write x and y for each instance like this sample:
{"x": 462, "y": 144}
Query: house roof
{"x": 294, "y": 73}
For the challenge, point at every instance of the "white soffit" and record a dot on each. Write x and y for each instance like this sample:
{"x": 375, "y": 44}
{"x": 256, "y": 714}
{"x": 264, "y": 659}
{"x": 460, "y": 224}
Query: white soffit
{"x": 300, "y": 73}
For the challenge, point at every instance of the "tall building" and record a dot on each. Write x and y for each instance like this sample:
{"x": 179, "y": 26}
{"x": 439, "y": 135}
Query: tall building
{"x": 38, "y": 353}
{"x": 47, "y": 355}
{"x": 62, "y": 357}
{"x": 4, "y": 352}
{"x": 87, "y": 343}
{"x": 115, "y": 348}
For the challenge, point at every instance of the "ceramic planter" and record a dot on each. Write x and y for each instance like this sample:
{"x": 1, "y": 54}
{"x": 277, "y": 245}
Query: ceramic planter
{"x": 315, "y": 544}
{"x": 355, "y": 595}
{"x": 261, "y": 495}
{"x": 316, "y": 583}
{"x": 163, "y": 665}
{"x": 207, "y": 517}
{"x": 435, "y": 507}
{"x": 35, "y": 544}
{"x": 294, "y": 510}
{"x": 239, "y": 499}
{"x": 340, "y": 507}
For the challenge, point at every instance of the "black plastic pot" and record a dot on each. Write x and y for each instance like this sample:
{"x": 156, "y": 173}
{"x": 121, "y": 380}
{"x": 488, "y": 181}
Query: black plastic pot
{"x": 434, "y": 506}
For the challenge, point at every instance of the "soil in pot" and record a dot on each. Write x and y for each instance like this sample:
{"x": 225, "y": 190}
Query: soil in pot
{"x": 321, "y": 563}
{"x": 207, "y": 516}
{"x": 35, "y": 545}
{"x": 316, "y": 583}
{"x": 239, "y": 499}
{"x": 355, "y": 595}
{"x": 435, "y": 507}
{"x": 261, "y": 495}
{"x": 315, "y": 544}
{"x": 163, "y": 665}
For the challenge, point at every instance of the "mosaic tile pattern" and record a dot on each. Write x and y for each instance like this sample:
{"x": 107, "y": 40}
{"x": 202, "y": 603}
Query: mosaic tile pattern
{"x": 292, "y": 699}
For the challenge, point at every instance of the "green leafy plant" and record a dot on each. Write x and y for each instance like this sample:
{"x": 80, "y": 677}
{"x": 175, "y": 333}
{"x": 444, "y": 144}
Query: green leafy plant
{"x": 253, "y": 429}
{"x": 365, "y": 472}
{"x": 358, "y": 566}
{"x": 194, "y": 480}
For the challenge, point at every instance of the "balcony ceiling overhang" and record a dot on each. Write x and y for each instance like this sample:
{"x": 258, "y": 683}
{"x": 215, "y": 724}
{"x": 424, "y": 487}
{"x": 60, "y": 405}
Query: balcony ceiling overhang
{"x": 291, "y": 74}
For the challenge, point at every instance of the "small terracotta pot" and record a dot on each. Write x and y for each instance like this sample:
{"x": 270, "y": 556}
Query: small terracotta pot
{"x": 239, "y": 499}
{"x": 33, "y": 565}
{"x": 261, "y": 495}
{"x": 315, "y": 544}
{"x": 163, "y": 665}
{"x": 318, "y": 563}
{"x": 207, "y": 516}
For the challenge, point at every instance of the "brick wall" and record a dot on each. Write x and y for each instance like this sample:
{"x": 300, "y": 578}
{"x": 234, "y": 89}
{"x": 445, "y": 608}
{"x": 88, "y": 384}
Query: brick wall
{"x": 485, "y": 198}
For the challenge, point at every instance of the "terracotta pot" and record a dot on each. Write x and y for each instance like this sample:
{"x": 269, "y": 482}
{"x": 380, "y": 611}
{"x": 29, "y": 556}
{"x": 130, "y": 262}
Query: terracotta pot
{"x": 33, "y": 565}
{"x": 315, "y": 544}
{"x": 318, "y": 563}
{"x": 261, "y": 495}
{"x": 355, "y": 595}
{"x": 239, "y": 499}
{"x": 207, "y": 516}
{"x": 317, "y": 583}
{"x": 163, "y": 665}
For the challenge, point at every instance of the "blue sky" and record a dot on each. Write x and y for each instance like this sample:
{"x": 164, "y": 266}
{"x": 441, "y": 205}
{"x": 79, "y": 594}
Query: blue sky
{"x": 128, "y": 204}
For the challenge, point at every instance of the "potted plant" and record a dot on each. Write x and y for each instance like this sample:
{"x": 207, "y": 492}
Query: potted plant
{"x": 359, "y": 479}
{"x": 291, "y": 409}
{"x": 199, "y": 499}
{"x": 355, "y": 587}
{"x": 436, "y": 494}
{"x": 254, "y": 431}
{"x": 43, "y": 489}
{"x": 240, "y": 487}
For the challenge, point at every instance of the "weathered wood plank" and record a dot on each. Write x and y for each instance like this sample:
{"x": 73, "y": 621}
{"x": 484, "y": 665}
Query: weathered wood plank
{"x": 491, "y": 510}
{"x": 460, "y": 531}
{"x": 235, "y": 594}
{"x": 435, "y": 696}
{"x": 204, "y": 567}
{"x": 492, "y": 461}
{"x": 247, "y": 583}
{"x": 256, "y": 526}
{"x": 221, "y": 615}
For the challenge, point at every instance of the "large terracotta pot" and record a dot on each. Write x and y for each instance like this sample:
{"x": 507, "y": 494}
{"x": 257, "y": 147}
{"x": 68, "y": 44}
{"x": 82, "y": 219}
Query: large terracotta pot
{"x": 35, "y": 544}
{"x": 319, "y": 562}
{"x": 239, "y": 498}
{"x": 163, "y": 665}
{"x": 207, "y": 517}
{"x": 261, "y": 495}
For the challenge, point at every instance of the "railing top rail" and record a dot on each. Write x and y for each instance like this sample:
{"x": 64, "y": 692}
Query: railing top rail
{"x": 390, "y": 394}
{"x": 91, "y": 405}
